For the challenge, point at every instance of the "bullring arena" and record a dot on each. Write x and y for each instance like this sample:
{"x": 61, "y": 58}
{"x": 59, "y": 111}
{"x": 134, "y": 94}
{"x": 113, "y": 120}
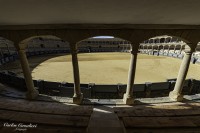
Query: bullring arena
{"x": 99, "y": 67}
{"x": 104, "y": 67}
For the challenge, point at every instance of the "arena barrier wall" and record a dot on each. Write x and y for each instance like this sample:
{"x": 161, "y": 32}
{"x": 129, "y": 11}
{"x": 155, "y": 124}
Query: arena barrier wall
{"x": 96, "y": 91}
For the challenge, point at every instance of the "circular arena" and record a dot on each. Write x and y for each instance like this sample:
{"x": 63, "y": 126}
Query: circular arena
{"x": 100, "y": 68}
{"x": 86, "y": 66}
{"x": 104, "y": 67}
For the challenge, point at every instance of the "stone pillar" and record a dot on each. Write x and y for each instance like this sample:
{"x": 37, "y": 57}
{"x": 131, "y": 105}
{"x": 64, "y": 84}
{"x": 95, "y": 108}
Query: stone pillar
{"x": 181, "y": 49}
{"x": 143, "y": 49}
{"x": 176, "y": 95}
{"x": 174, "y": 49}
{"x": 168, "y": 50}
{"x": 32, "y": 93}
{"x": 140, "y": 48}
{"x": 163, "y": 49}
{"x": 128, "y": 96}
{"x": 78, "y": 96}
{"x": 158, "y": 51}
{"x": 152, "y": 50}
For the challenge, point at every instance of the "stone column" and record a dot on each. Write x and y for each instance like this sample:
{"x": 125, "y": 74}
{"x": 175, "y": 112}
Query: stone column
{"x": 168, "y": 50}
{"x": 163, "y": 49}
{"x": 176, "y": 95}
{"x": 174, "y": 49}
{"x": 158, "y": 51}
{"x": 140, "y": 48}
{"x": 181, "y": 49}
{"x": 78, "y": 96}
{"x": 152, "y": 49}
{"x": 128, "y": 96}
{"x": 32, "y": 93}
{"x": 143, "y": 49}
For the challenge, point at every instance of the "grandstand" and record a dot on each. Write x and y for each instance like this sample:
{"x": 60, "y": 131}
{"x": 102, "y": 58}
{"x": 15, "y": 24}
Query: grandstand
{"x": 152, "y": 46}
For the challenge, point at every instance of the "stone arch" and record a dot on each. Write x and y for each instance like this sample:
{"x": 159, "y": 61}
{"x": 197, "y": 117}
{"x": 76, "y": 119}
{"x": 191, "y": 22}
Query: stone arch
{"x": 141, "y": 47}
{"x": 24, "y": 43}
{"x": 198, "y": 47}
{"x": 124, "y": 34}
{"x": 145, "y": 48}
{"x": 112, "y": 42}
{"x": 156, "y": 40}
{"x": 166, "y": 47}
{"x": 32, "y": 92}
{"x": 161, "y": 47}
{"x": 149, "y": 46}
{"x": 178, "y": 48}
{"x": 167, "y": 39}
{"x": 171, "y": 38}
{"x": 151, "y": 41}
{"x": 162, "y": 40}
{"x": 176, "y": 95}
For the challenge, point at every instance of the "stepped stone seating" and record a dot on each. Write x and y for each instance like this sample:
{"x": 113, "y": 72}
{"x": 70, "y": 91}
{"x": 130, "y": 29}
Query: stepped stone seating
{"x": 49, "y": 116}
{"x": 57, "y": 115}
{"x": 151, "y": 117}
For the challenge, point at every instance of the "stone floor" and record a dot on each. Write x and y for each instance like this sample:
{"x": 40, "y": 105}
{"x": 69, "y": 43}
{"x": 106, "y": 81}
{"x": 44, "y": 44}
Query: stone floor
{"x": 55, "y": 114}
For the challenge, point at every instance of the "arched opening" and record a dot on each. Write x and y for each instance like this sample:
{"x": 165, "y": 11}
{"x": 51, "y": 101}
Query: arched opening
{"x": 151, "y": 41}
{"x": 166, "y": 47}
{"x": 161, "y": 49}
{"x": 145, "y": 48}
{"x": 196, "y": 54}
{"x": 173, "y": 39}
{"x": 93, "y": 65}
{"x": 157, "y": 40}
{"x": 50, "y": 49}
{"x": 176, "y": 48}
{"x": 40, "y": 67}
{"x": 162, "y": 40}
{"x": 167, "y": 39}
{"x": 198, "y": 48}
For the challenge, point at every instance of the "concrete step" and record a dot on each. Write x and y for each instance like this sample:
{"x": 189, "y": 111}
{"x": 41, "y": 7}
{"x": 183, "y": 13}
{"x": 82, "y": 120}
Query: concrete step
{"x": 104, "y": 120}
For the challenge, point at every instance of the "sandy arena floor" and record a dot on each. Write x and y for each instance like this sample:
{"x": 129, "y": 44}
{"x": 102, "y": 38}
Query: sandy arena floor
{"x": 105, "y": 68}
